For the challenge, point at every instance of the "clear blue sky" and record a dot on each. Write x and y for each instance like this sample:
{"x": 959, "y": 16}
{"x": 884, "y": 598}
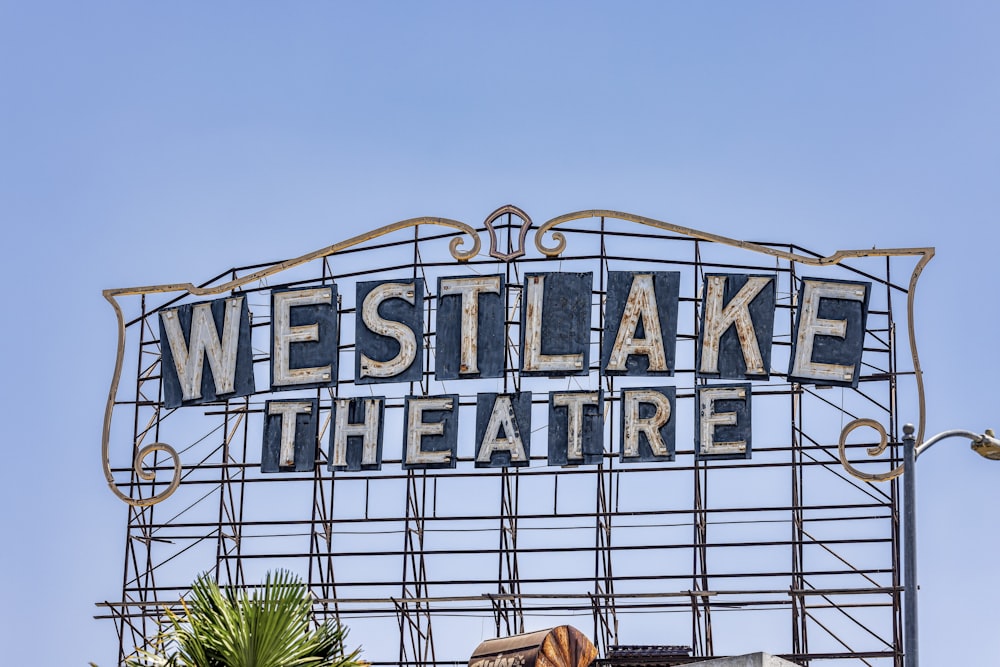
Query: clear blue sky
{"x": 146, "y": 143}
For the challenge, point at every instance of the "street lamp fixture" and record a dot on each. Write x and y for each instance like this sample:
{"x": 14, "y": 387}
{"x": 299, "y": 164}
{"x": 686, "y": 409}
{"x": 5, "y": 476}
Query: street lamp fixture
{"x": 987, "y": 446}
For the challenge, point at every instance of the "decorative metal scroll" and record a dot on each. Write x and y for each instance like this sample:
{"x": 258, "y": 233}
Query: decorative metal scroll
{"x": 457, "y": 247}
{"x": 925, "y": 255}
{"x": 517, "y": 251}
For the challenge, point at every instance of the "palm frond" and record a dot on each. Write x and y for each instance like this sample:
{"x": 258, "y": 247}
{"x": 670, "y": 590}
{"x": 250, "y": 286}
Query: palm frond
{"x": 264, "y": 627}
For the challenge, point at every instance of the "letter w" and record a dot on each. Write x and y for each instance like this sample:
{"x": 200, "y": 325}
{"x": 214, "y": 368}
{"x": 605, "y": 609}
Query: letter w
{"x": 189, "y": 358}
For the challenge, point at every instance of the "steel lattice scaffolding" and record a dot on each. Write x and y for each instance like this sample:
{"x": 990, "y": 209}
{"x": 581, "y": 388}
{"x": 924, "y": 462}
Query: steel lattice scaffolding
{"x": 784, "y": 552}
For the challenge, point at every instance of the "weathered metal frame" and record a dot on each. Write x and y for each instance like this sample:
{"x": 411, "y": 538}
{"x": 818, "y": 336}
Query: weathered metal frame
{"x": 416, "y": 607}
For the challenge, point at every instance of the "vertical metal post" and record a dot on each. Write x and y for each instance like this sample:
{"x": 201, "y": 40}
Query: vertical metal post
{"x": 910, "y": 651}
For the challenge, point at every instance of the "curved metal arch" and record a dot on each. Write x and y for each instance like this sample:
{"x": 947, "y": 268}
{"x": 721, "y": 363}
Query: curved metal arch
{"x": 111, "y": 295}
{"x": 924, "y": 254}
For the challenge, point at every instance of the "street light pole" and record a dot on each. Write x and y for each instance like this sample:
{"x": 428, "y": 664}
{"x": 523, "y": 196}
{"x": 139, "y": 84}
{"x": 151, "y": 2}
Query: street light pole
{"x": 910, "y": 648}
{"x": 986, "y": 445}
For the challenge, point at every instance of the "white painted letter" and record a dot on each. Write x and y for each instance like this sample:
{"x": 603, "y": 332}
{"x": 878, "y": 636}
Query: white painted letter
{"x": 417, "y": 428}
{"x": 709, "y": 419}
{"x": 189, "y": 359}
{"x": 368, "y": 430}
{"x": 634, "y": 425}
{"x": 502, "y": 416}
{"x": 736, "y": 312}
{"x": 288, "y": 410}
{"x": 534, "y": 360}
{"x": 810, "y": 325}
{"x": 641, "y": 302}
{"x": 402, "y": 333}
{"x": 469, "y": 289}
{"x": 285, "y": 334}
{"x": 574, "y": 402}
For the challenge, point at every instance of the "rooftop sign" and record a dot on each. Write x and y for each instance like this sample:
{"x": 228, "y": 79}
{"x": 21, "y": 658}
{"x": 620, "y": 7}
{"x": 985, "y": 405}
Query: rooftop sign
{"x": 604, "y": 414}
{"x": 207, "y": 354}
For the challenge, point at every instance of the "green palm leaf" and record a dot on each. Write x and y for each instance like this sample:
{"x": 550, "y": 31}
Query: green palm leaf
{"x": 264, "y": 627}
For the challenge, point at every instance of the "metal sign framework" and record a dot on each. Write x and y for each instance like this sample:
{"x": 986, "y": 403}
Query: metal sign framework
{"x": 786, "y": 552}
